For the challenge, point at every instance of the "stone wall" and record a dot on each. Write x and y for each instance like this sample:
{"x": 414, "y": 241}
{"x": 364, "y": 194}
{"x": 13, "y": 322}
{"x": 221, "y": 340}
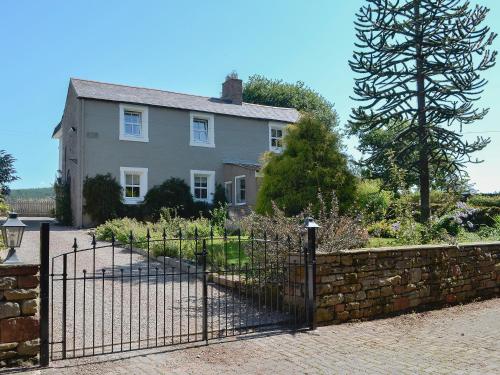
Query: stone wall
{"x": 369, "y": 283}
{"x": 19, "y": 321}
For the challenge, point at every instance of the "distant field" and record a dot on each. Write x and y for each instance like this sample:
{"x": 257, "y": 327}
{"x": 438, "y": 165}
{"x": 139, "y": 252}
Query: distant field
{"x": 35, "y": 193}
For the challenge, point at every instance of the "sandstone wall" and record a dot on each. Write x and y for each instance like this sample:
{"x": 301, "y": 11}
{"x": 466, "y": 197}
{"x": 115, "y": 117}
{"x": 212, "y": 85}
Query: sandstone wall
{"x": 19, "y": 321}
{"x": 369, "y": 283}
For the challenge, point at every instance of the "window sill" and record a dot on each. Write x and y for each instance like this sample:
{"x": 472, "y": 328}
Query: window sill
{"x": 276, "y": 150}
{"x": 133, "y": 139}
{"x": 132, "y": 201}
{"x": 240, "y": 204}
{"x": 199, "y": 144}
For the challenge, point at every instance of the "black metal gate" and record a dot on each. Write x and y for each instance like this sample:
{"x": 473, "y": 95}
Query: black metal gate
{"x": 108, "y": 298}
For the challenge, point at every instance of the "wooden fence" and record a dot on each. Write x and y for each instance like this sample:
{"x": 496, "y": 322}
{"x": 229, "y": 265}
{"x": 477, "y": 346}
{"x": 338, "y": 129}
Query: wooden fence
{"x": 33, "y": 207}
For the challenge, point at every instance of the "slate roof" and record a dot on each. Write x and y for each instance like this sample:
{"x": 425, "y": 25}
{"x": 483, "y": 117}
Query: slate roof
{"x": 139, "y": 95}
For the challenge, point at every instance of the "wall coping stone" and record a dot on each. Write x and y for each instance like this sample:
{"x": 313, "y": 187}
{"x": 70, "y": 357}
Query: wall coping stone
{"x": 495, "y": 244}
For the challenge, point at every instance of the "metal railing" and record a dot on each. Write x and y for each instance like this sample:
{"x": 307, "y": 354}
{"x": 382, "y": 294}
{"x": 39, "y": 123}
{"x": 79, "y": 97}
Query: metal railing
{"x": 107, "y": 298}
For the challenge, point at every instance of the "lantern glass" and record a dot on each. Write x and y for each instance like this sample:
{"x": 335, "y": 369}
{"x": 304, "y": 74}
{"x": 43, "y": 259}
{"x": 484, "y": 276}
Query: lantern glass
{"x": 13, "y": 236}
{"x": 12, "y": 231}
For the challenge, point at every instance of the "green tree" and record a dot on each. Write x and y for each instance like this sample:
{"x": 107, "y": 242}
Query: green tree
{"x": 7, "y": 171}
{"x": 310, "y": 162}
{"x": 265, "y": 91}
{"x": 442, "y": 175}
{"x": 62, "y": 189}
{"x": 419, "y": 65}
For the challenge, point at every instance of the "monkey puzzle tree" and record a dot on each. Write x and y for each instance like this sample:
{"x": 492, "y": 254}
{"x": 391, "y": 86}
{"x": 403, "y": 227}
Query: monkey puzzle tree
{"x": 419, "y": 64}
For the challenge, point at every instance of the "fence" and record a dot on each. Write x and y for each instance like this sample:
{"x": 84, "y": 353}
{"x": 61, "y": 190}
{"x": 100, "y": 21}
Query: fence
{"x": 33, "y": 207}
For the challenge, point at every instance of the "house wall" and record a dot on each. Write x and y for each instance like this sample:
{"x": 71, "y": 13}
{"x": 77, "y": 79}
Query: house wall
{"x": 231, "y": 171}
{"x": 71, "y": 151}
{"x": 168, "y": 153}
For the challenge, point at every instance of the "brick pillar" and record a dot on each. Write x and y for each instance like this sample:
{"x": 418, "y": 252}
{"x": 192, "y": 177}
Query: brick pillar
{"x": 19, "y": 318}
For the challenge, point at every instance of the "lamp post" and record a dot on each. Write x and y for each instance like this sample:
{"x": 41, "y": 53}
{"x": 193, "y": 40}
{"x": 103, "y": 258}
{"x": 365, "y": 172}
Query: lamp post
{"x": 310, "y": 259}
{"x": 12, "y": 233}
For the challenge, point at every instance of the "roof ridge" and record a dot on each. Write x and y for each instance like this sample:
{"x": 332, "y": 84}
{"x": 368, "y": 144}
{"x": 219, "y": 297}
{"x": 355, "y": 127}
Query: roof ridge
{"x": 174, "y": 92}
{"x": 140, "y": 87}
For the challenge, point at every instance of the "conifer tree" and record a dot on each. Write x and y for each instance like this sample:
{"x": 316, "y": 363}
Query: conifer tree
{"x": 419, "y": 64}
{"x": 311, "y": 162}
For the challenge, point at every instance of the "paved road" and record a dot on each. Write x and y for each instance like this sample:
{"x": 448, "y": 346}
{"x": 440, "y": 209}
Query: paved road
{"x": 456, "y": 340}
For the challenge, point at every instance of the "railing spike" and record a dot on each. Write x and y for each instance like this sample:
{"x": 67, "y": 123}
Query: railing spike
{"x": 93, "y": 240}
{"x": 75, "y": 245}
{"x": 148, "y": 235}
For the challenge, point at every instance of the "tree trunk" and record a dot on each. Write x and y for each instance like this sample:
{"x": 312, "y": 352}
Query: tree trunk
{"x": 425, "y": 208}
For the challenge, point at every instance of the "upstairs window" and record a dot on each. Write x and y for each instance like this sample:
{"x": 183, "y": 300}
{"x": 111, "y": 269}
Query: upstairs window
{"x": 201, "y": 129}
{"x": 240, "y": 189}
{"x": 133, "y": 123}
{"x": 134, "y": 182}
{"x": 276, "y": 132}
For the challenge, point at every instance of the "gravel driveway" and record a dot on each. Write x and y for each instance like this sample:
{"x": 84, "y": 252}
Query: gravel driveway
{"x": 109, "y": 311}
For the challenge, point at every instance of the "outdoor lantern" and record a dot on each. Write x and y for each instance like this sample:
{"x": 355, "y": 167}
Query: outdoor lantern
{"x": 12, "y": 233}
{"x": 310, "y": 227}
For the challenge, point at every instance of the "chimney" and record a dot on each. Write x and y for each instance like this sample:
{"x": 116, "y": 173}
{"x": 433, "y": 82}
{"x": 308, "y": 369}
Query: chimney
{"x": 232, "y": 89}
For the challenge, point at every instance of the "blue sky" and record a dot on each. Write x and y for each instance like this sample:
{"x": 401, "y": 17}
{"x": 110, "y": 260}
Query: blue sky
{"x": 185, "y": 46}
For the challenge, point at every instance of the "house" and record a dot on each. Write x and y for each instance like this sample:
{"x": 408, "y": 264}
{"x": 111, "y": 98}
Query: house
{"x": 145, "y": 136}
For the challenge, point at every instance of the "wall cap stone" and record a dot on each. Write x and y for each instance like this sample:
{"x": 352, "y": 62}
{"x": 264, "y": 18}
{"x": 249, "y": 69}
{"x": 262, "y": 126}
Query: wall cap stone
{"x": 471, "y": 245}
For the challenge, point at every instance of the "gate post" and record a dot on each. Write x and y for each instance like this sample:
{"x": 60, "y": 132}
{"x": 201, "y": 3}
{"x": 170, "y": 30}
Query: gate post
{"x": 64, "y": 303}
{"x": 311, "y": 227}
{"x": 44, "y": 294}
{"x": 205, "y": 291}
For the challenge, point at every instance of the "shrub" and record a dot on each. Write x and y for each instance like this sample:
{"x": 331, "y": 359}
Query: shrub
{"x": 63, "y": 212}
{"x": 338, "y": 232}
{"x": 103, "y": 198}
{"x": 382, "y": 229}
{"x": 219, "y": 196}
{"x": 371, "y": 201}
{"x": 173, "y": 193}
{"x": 4, "y": 208}
{"x": 168, "y": 223}
{"x": 484, "y": 200}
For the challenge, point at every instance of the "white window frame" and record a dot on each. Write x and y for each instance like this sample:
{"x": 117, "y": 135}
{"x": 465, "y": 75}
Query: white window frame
{"x": 144, "y": 137}
{"x": 231, "y": 202}
{"x": 236, "y": 178}
{"x": 277, "y": 126}
{"x": 210, "y": 184}
{"x": 143, "y": 172}
{"x": 210, "y": 120}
